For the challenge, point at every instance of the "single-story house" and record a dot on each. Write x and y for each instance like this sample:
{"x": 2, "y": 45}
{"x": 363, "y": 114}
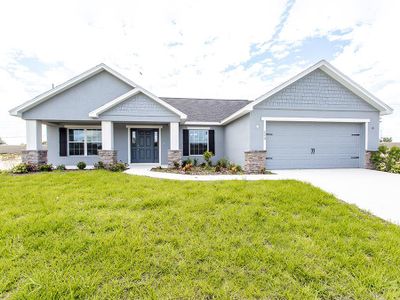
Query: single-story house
{"x": 317, "y": 119}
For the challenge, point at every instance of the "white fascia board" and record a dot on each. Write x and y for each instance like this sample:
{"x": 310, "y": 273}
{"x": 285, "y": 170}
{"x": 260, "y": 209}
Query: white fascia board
{"x": 356, "y": 88}
{"x": 241, "y": 112}
{"x": 95, "y": 113}
{"x": 202, "y": 123}
{"x": 329, "y": 120}
{"x": 17, "y": 111}
{"x": 332, "y": 72}
{"x": 163, "y": 103}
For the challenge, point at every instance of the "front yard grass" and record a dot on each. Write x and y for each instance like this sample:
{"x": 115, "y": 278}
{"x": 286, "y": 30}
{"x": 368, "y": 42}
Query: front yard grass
{"x": 97, "y": 234}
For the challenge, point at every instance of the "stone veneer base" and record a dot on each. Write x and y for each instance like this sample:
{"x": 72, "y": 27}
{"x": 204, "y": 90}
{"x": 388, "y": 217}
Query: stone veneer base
{"x": 108, "y": 157}
{"x": 367, "y": 163}
{"x": 174, "y": 156}
{"x": 37, "y": 157}
{"x": 254, "y": 161}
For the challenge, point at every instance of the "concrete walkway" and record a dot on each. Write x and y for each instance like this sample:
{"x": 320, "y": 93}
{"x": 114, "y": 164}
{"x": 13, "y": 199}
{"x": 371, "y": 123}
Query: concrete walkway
{"x": 376, "y": 192}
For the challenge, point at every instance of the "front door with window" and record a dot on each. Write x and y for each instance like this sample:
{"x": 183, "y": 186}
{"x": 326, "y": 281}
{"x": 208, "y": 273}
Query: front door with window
{"x": 144, "y": 145}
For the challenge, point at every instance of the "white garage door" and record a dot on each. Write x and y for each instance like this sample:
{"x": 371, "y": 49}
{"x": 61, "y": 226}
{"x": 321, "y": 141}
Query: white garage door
{"x": 298, "y": 145}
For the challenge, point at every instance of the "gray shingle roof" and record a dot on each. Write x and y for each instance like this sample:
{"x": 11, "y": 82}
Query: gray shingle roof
{"x": 206, "y": 110}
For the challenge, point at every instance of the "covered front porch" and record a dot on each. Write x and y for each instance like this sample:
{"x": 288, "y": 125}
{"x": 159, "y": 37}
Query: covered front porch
{"x": 107, "y": 141}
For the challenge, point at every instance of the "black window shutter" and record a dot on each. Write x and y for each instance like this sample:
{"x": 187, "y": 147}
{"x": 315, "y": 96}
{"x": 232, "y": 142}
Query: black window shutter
{"x": 185, "y": 141}
{"x": 63, "y": 141}
{"x": 211, "y": 141}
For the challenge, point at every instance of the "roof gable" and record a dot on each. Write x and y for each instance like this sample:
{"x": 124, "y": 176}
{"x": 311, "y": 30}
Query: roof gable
{"x": 130, "y": 103}
{"x": 333, "y": 73}
{"x": 316, "y": 91}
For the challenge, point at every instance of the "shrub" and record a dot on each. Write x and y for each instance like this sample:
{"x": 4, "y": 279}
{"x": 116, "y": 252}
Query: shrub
{"x": 20, "y": 169}
{"x": 187, "y": 162}
{"x": 46, "y": 168}
{"x": 223, "y": 163}
{"x": 207, "y": 157}
{"x": 81, "y": 165}
{"x": 387, "y": 160}
{"x": 117, "y": 167}
{"x": 186, "y": 168}
{"x": 24, "y": 168}
{"x": 195, "y": 162}
{"x": 61, "y": 167}
{"x": 235, "y": 168}
{"x": 99, "y": 165}
{"x": 176, "y": 164}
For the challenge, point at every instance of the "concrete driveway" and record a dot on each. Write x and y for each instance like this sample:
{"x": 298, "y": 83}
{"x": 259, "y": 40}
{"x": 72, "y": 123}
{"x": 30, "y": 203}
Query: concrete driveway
{"x": 376, "y": 192}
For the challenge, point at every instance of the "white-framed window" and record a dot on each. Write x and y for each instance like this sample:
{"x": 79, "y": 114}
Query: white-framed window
{"x": 84, "y": 141}
{"x": 198, "y": 141}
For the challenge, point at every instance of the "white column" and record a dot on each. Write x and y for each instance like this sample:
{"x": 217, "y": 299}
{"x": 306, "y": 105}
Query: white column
{"x": 107, "y": 135}
{"x": 33, "y": 135}
{"x": 174, "y": 135}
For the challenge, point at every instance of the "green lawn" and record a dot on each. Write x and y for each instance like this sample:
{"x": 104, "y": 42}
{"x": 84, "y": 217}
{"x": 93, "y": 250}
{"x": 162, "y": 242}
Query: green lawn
{"x": 97, "y": 234}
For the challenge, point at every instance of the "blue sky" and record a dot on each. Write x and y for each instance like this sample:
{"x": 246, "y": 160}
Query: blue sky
{"x": 200, "y": 49}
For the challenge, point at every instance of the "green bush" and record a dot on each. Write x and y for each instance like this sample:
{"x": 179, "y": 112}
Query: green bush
{"x": 81, "y": 165}
{"x": 117, "y": 167}
{"x": 46, "y": 168}
{"x": 99, "y": 165}
{"x": 387, "y": 160}
{"x": 61, "y": 167}
{"x": 187, "y": 162}
{"x": 24, "y": 168}
{"x": 223, "y": 163}
{"x": 195, "y": 162}
{"x": 207, "y": 157}
{"x": 20, "y": 169}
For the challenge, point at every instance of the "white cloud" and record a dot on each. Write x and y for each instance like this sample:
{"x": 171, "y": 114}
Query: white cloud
{"x": 371, "y": 58}
{"x": 183, "y": 47}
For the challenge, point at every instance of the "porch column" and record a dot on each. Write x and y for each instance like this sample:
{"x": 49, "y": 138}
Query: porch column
{"x": 174, "y": 154}
{"x": 34, "y": 152}
{"x": 108, "y": 155}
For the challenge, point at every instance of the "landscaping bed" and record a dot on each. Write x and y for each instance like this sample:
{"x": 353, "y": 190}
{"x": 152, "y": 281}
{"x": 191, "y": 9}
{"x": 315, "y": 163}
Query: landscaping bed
{"x": 191, "y": 166}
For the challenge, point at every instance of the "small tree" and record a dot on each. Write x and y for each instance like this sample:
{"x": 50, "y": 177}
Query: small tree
{"x": 207, "y": 157}
{"x": 387, "y": 139}
{"x": 2, "y": 141}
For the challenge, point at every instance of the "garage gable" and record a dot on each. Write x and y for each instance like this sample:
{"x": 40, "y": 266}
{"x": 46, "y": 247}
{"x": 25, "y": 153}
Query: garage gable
{"x": 316, "y": 91}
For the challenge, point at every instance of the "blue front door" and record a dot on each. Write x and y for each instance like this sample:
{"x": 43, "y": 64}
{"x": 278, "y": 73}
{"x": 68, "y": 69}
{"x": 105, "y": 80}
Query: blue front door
{"x": 144, "y": 145}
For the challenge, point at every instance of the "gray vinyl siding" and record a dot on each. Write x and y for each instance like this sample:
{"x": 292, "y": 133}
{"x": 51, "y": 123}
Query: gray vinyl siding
{"x": 120, "y": 144}
{"x": 316, "y": 91}
{"x": 316, "y": 95}
{"x": 76, "y": 102}
{"x": 237, "y": 139}
{"x": 53, "y": 154}
{"x": 219, "y": 142}
{"x": 140, "y": 108}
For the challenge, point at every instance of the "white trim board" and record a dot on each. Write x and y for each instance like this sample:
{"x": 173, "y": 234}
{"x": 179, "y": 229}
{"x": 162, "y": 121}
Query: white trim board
{"x": 129, "y": 127}
{"x": 315, "y": 120}
{"x": 331, "y": 120}
{"x": 17, "y": 111}
{"x": 331, "y": 71}
{"x": 144, "y": 126}
{"x": 95, "y": 113}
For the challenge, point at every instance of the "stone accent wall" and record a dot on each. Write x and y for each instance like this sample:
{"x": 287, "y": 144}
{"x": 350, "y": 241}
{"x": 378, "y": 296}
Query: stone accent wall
{"x": 108, "y": 156}
{"x": 254, "y": 161}
{"x": 37, "y": 157}
{"x": 368, "y": 163}
{"x": 174, "y": 156}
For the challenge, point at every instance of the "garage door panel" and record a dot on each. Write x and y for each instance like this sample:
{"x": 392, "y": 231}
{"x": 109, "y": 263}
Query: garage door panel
{"x": 290, "y": 144}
